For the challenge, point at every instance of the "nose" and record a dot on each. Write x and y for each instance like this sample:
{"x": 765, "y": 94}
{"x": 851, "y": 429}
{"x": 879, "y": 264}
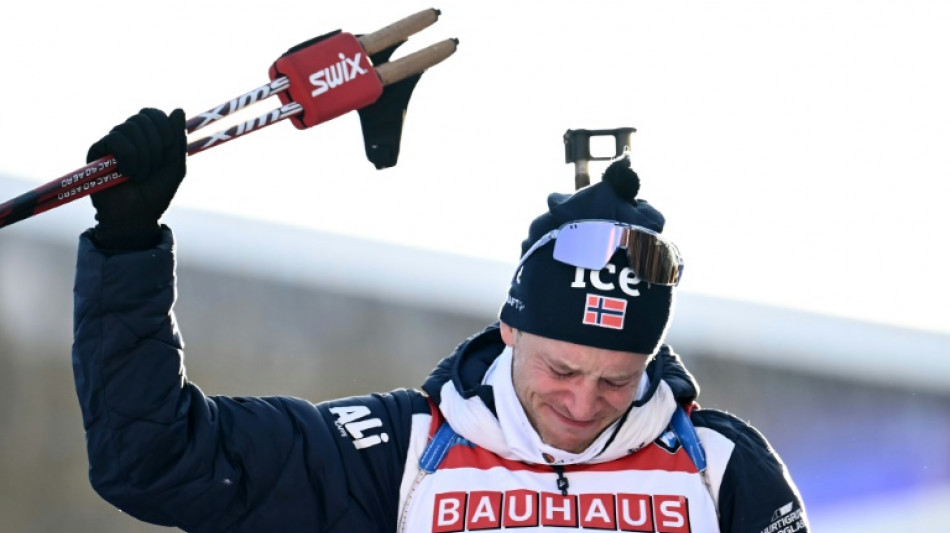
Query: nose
{"x": 582, "y": 401}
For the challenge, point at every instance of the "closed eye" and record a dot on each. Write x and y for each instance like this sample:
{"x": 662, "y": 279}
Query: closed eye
{"x": 615, "y": 384}
{"x": 563, "y": 374}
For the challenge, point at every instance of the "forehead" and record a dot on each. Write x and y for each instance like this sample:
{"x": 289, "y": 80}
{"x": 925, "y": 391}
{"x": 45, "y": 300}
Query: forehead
{"x": 577, "y": 357}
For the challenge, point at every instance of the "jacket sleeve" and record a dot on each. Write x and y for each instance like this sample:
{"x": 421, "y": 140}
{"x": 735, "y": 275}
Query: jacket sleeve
{"x": 752, "y": 486}
{"x": 163, "y": 452}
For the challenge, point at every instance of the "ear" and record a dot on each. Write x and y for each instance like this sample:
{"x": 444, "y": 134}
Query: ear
{"x": 508, "y": 334}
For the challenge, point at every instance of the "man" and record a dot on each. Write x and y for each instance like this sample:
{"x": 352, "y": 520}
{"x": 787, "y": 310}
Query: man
{"x": 569, "y": 412}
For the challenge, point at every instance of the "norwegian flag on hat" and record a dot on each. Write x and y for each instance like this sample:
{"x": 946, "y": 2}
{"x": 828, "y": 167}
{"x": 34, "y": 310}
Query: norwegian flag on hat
{"x": 604, "y": 311}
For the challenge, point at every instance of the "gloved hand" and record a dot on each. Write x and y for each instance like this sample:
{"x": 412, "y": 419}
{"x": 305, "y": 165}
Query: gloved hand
{"x": 150, "y": 148}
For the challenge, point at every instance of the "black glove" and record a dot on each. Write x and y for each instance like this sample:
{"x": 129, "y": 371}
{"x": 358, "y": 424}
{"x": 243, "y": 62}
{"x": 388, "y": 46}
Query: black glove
{"x": 150, "y": 148}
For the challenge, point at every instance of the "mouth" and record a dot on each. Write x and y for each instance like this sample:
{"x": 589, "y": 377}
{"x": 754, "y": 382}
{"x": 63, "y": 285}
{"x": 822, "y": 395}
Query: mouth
{"x": 573, "y": 423}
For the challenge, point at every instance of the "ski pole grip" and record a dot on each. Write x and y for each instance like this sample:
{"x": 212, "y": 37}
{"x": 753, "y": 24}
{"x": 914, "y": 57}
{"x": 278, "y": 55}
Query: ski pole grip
{"x": 398, "y": 31}
{"x": 416, "y": 62}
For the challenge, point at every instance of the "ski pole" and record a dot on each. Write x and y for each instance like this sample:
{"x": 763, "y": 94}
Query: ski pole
{"x": 306, "y": 106}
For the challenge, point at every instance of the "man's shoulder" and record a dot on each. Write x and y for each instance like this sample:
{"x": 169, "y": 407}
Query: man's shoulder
{"x": 752, "y": 487}
{"x": 408, "y": 401}
{"x": 734, "y": 447}
{"x": 730, "y": 439}
{"x": 726, "y": 424}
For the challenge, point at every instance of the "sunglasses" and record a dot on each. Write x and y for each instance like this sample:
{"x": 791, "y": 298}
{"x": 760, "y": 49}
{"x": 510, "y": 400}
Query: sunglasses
{"x": 591, "y": 243}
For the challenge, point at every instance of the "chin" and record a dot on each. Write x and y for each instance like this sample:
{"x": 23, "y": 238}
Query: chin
{"x": 571, "y": 446}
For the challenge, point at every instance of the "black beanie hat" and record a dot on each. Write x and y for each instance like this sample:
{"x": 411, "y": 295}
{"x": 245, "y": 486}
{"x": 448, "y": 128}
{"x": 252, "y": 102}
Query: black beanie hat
{"x": 552, "y": 299}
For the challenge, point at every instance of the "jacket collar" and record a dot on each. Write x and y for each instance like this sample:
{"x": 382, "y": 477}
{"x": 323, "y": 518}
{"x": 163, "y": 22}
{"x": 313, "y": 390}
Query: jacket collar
{"x": 468, "y": 403}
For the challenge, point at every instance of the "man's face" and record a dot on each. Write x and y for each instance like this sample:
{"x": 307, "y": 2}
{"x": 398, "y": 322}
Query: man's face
{"x": 570, "y": 392}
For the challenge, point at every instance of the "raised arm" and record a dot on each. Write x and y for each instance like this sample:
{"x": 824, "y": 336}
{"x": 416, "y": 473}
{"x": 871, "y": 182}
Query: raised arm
{"x": 160, "y": 449}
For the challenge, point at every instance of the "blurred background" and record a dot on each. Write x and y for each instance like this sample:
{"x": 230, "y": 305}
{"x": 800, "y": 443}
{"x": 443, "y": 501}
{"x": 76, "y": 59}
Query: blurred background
{"x": 796, "y": 149}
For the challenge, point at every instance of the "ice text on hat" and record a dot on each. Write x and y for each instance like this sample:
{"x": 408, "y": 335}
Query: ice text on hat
{"x": 627, "y": 279}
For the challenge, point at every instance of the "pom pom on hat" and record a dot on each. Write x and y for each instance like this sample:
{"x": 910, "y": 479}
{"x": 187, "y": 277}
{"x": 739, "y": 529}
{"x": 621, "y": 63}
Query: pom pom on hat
{"x": 623, "y": 179}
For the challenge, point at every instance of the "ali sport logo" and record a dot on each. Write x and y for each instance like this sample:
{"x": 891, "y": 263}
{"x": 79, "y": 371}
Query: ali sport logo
{"x": 352, "y": 421}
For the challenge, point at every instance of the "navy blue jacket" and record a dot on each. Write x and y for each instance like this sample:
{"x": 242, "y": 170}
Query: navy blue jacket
{"x": 164, "y": 452}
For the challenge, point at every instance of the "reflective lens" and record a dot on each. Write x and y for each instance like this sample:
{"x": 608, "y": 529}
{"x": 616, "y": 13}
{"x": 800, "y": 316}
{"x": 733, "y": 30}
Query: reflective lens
{"x": 588, "y": 245}
{"x": 591, "y": 243}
